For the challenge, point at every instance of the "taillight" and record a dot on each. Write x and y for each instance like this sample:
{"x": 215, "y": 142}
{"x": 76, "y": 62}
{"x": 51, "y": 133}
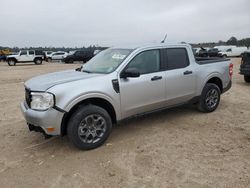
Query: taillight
{"x": 231, "y": 66}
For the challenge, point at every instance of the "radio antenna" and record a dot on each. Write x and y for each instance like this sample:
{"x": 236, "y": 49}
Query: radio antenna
{"x": 163, "y": 41}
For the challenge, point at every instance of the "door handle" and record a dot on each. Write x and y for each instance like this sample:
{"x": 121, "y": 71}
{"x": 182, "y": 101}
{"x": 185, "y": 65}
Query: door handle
{"x": 156, "y": 78}
{"x": 187, "y": 72}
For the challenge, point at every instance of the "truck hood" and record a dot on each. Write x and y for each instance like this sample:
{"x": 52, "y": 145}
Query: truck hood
{"x": 9, "y": 56}
{"x": 46, "y": 81}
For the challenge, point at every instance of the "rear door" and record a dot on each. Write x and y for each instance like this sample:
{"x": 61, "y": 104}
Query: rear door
{"x": 180, "y": 76}
{"x": 31, "y": 55}
{"x": 147, "y": 92}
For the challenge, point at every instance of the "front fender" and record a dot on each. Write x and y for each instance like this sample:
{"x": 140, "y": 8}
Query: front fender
{"x": 86, "y": 96}
{"x": 8, "y": 58}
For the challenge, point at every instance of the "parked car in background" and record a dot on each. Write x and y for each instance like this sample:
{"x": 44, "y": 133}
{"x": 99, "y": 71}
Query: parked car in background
{"x": 26, "y": 56}
{"x": 202, "y": 52}
{"x": 233, "y": 52}
{"x": 79, "y": 55}
{"x": 119, "y": 83}
{"x": 3, "y": 57}
{"x": 96, "y": 52}
{"x": 47, "y": 54}
{"x": 196, "y": 51}
{"x": 245, "y": 66}
{"x": 212, "y": 52}
{"x": 59, "y": 56}
{"x": 223, "y": 48}
{"x": 4, "y": 53}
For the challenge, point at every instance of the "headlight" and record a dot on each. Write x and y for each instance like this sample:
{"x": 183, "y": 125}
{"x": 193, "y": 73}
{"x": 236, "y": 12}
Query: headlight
{"x": 41, "y": 100}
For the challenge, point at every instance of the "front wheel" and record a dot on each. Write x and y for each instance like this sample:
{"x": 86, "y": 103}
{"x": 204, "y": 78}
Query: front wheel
{"x": 89, "y": 127}
{"x": 49, "y": 59}
{"x": 11, "y": 62}
{"x": 210, "y": 98}
{"x": 247, "y": 79}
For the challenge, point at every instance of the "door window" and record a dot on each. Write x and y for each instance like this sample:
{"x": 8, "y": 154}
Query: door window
{"x": 23, "y": 53}
{"x": 146, "y": 62}
{"x": 177, "y": 58}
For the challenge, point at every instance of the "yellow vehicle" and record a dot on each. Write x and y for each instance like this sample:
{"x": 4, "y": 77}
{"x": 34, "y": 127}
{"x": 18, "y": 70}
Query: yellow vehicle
{"x": 5, "y": 52}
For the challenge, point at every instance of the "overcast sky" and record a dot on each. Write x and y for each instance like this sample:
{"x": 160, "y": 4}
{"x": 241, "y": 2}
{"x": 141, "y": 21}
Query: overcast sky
{"x": 80, "y": 23}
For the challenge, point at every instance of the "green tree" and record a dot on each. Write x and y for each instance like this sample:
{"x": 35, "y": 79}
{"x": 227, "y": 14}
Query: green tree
{"x": 232, "y": 41}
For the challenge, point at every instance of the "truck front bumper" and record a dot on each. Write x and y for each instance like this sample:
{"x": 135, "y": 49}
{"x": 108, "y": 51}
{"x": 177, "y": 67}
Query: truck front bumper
{"x": 48, "y": 122}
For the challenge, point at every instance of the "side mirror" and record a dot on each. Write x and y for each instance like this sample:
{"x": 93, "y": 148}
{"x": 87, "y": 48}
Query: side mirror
{"x": 130, "y": 72}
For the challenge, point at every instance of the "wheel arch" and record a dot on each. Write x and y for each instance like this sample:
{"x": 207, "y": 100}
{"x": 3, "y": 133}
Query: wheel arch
{"x": 217, "y": 81}
{"x": 11, "y": 58}
{"x": 37, "y": 58}
{"x": 103, "y": 103}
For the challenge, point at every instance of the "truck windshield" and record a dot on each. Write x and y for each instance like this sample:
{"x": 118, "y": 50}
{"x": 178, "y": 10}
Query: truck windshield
{"x": 106, "y": 61}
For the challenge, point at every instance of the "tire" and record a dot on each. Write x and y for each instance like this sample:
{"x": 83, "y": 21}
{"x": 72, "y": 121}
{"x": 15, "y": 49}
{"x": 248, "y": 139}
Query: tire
{"x": 11, "y": 62}
{"x": 247, "y": 79}
{"x": 70, "y": 61}
{"x": 83, "y": 125}
{"x": 224, "y": 56}
{"x": 49, "y": 59}
{"x": 210, "y": 98}
{"x": 38, "y": 61}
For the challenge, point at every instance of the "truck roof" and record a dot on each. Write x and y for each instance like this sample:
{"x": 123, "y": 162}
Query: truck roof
{"x": 154, "y": 45}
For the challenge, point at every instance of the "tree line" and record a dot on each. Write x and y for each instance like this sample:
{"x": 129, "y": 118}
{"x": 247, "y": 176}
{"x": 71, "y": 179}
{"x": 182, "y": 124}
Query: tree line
{"x": 232, "y": 41}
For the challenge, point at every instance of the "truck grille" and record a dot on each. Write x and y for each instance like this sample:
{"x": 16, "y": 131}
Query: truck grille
{"x": 28, "y": 96}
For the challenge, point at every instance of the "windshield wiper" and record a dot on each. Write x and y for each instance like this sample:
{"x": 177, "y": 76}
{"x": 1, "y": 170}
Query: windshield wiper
{"x": 86, "y": 71}
{"x": 78, "y": 69}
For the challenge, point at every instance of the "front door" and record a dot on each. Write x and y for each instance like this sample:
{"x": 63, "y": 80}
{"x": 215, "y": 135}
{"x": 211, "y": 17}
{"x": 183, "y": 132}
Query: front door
{"x": 23, "y": 56}
{"x": 146, "y": 92}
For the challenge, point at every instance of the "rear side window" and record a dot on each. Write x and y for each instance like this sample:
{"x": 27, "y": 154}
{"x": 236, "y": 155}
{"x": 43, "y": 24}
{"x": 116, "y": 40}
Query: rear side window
{"x": 177, "y": 58}
{"x": 31, "y": 52}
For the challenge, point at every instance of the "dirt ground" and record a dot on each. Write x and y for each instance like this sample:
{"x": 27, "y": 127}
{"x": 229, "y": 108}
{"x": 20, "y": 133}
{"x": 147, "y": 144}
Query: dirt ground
{"x": 179, "y": 147}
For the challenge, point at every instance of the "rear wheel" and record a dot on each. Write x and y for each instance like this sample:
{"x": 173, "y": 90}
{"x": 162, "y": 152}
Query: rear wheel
{"x": 89, "y": 127}
{"x": 11, "y": 62}
{"x": 247, "y": 79}
{"x": 210, "y": 98}
{"x": 38, "y": 61}
{"x": 224, "y": 56}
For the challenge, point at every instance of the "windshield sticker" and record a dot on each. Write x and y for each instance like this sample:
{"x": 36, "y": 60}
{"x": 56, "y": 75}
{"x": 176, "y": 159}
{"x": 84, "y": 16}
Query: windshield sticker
{"x": 118, "y": 56}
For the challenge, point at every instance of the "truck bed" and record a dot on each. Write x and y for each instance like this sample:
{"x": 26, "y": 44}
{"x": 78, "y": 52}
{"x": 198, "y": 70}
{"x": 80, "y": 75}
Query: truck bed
{"x": 207, "y": 60}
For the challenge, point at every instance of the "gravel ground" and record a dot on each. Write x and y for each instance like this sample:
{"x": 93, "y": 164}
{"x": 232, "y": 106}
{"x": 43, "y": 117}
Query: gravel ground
{"x": 179, "y": 147}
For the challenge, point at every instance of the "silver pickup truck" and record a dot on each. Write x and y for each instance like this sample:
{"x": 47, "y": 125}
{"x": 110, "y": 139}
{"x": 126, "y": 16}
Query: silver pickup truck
{"x": 119, "y": 83}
